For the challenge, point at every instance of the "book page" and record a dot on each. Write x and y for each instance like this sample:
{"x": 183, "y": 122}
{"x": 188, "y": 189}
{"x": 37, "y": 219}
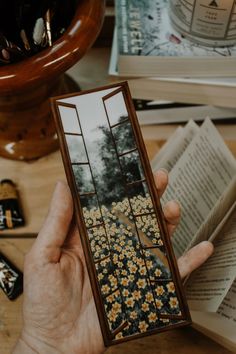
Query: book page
{"x": 218, "y": 216}
{"x": 219, "y": 328}
{"x": 208, "y": 286}
{"x": 167, "y": 147}
{"x": 198, "y": 180}
{"x": 223, "y": 81}
{"x": 175, "y": 147}
{"x": 182, "y": 114}
{"x": 227, "y": 309}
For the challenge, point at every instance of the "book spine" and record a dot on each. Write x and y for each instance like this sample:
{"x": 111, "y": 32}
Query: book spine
{"x": 129, "y": 25}
{"x": 138, "y": 25}
{"x": 207, "y": 22}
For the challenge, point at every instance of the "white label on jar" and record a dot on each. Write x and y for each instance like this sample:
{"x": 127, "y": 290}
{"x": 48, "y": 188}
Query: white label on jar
{"x": 210, "y": 22}
{"x": 211, "y": 18}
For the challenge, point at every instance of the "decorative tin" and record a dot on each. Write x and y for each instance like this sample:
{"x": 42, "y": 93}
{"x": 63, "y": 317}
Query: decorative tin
{"x": 207, "y": 22}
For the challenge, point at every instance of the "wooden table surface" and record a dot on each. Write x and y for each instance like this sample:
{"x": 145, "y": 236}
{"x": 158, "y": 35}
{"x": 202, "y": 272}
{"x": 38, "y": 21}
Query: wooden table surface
{"x": 36, "y": 181}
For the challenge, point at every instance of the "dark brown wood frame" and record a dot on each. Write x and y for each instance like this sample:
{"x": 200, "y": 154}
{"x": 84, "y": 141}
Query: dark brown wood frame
{"x": 78, "y": 216}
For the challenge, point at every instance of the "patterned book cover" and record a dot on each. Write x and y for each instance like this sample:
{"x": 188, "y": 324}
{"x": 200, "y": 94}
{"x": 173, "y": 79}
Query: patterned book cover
{"x": 144, "y": 29}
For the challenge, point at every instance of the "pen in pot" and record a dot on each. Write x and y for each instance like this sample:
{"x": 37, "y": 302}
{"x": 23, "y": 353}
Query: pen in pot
{"x": 39, "y": 30}
{"x": 4, "y": 55}
{"x": 48, "y": 27}
{"x": 22, "y": 11}
{"x": 25, "y": 40}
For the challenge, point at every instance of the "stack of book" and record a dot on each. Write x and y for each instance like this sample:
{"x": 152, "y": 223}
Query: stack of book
{"x": 160, "y": 64}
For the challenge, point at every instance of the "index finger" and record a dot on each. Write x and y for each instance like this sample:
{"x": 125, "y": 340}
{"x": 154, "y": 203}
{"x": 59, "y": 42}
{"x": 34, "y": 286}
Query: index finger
{"x": 161, "y": 180}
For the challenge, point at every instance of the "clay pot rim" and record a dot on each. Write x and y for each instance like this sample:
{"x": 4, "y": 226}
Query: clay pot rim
{"x": 65, "y": 52}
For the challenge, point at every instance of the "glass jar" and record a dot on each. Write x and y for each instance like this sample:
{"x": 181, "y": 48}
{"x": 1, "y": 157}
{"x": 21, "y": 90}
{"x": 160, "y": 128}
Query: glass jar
{"x": 207, "y": 22}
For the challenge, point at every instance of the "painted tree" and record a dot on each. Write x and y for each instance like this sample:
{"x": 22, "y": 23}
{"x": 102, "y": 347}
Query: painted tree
{"x": 117, "y": 170}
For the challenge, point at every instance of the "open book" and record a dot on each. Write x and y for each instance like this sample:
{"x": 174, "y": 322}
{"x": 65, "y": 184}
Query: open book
{"x": 202, "y": 177}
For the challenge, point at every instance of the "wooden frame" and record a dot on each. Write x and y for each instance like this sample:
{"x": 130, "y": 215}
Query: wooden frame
{"x": 123, "y": 325}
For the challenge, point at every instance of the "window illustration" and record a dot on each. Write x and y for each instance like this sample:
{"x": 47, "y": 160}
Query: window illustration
{"x": 135, "y": 281}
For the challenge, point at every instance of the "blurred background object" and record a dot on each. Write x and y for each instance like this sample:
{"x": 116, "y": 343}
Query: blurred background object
{"x": 26, "y": 125}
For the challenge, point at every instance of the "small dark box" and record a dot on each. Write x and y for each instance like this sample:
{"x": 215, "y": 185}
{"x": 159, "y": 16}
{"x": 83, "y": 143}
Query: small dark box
{"x": 11, "y": 279}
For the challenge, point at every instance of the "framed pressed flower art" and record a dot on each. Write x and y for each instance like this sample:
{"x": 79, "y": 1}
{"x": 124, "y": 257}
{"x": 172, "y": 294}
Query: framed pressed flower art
{"x": 133, "y": 272}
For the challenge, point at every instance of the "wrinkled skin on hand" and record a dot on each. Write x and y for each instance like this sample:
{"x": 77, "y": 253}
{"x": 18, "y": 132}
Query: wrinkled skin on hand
{"x": 59, "y": 314}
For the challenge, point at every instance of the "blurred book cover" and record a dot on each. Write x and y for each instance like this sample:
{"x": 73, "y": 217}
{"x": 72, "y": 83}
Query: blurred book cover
{"x": 145, "y": 36}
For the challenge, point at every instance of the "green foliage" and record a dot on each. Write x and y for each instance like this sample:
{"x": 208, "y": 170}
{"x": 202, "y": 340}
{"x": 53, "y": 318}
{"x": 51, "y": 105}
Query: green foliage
{"x": 110, "y": 181}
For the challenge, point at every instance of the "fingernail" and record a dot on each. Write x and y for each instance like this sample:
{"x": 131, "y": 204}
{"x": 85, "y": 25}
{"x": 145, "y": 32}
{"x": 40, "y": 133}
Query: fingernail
{"x": 177, "y": 202}
{"x": 162, "y": 169}
{"x": 60, "y": 183}
{"x": 172, "y": 204}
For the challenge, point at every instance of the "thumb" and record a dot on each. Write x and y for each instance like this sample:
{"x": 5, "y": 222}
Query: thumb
{"x": 56, "y": 226}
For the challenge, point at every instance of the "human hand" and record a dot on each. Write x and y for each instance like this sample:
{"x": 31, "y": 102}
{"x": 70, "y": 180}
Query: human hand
{"x": 59, "y": 311}
{"x": 59, "y": 314}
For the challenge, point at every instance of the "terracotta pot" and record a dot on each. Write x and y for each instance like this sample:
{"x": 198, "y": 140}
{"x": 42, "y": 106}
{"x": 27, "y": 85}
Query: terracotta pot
{"x": 26, "y": 125}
